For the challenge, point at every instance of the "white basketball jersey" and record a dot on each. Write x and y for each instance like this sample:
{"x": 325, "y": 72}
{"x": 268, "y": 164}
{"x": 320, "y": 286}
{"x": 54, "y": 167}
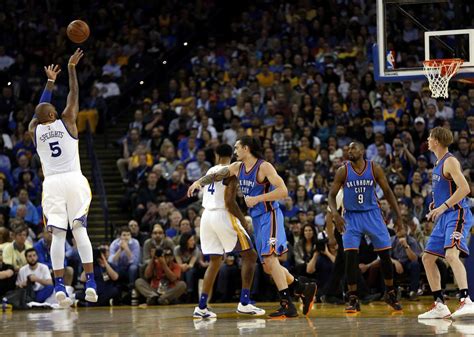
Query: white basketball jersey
{"x": 57, "y": 148}
{"x": 213, "y": 194}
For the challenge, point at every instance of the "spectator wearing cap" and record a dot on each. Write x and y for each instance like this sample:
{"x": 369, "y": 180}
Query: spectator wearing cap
{"x": 420, "y": 136}
{"x": 161, "y": 283}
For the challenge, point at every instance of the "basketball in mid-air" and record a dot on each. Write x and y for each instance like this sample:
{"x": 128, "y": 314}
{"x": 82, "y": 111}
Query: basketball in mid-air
{"x": 78, "y": 31}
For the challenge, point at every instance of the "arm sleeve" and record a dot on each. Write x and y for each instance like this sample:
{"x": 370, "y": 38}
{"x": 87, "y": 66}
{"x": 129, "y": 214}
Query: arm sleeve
{"x": 46, "y": 96}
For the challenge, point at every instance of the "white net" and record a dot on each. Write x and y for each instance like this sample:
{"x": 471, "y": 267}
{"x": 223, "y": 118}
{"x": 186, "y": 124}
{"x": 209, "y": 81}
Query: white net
{"x": 438, "y": 73}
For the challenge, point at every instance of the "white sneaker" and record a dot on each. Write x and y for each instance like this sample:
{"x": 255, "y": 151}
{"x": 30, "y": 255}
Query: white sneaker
{"x": 438, "y": 310}
{"x": 203, "y": 313}
{"x": 63, "y": 300}
{"x": 250, "y": 309}
{"x": 441, "y": 326}
{"x": 91, "y": 295}
{"x": 466, "y": 309}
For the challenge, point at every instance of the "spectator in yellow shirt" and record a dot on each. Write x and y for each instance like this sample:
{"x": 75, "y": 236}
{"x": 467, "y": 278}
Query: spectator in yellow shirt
{"x": 265, "y": 78}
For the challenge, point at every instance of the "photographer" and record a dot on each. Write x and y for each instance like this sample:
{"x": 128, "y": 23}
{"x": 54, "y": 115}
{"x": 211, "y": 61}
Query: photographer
{"x": 161, "y": 284}
{"x": 105, "y": 278}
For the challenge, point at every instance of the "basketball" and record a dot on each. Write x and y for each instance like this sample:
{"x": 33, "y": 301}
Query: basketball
{"x": 78, "y": 31}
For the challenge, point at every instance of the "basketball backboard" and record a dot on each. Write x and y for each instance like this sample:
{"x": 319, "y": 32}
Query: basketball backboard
{"x": 411, "y": 31}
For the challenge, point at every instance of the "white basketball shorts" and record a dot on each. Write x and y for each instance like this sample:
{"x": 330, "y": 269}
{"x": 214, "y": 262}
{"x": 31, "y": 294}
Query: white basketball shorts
{"x": 221, "y": 232}
{"x": 66, "y": 197}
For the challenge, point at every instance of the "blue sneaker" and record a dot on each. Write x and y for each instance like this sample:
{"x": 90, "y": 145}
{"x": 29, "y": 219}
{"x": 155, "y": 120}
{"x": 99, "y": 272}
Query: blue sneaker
{"x": 91, "y": 291}
{"x": 61, "y": 296}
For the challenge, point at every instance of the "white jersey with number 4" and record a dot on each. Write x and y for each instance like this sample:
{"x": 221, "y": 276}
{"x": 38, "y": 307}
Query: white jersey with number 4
{"x": 213, "y": 194}
{"x": 57, "y": 148}
{"x": 220, "y": 231}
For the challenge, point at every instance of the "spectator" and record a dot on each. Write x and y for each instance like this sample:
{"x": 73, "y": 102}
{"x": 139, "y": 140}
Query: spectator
{"x": 136, "y": 233}
{"x": 196, "y": 169}
{"x": 187, "y": 254}
{"x": 405, "y": 255}
{"x": 306, "y": 179}
{"x": 125, "y": 256}
{"x": 14, "y": 252}
{"x": 7, "y": 276}
{"x": 37, "y": 276}
{"x": 105, "y": 278}
{"x": 161, "y": 284}
{"x": 157, "y": 240}
{"x": 31, "y": 216}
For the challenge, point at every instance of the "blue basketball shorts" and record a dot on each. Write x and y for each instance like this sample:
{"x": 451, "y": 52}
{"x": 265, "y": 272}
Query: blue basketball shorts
{"x": 270, "y": 236}
{"x": 451, "y": 229}
{"x": 367, "y": 222}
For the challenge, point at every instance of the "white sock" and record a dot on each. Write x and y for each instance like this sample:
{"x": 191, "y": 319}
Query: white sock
{"x": 57, "y": 248}
{"x": 83, "y": 243}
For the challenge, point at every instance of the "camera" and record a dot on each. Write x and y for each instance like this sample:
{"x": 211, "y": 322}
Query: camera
{"x": 321, "y": 242}
{"x": 158, "y": 252}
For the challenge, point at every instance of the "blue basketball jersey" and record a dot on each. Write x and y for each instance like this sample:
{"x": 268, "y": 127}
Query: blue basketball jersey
{"x": 359, "y": 189}
{"x": 443, "y": 188}
{"x": 250, "y": 186}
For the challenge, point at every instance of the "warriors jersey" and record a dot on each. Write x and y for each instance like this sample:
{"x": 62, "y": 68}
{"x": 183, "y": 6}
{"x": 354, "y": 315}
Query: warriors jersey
{"x": 213, "y": 194}
{"x": 57, "y": 148}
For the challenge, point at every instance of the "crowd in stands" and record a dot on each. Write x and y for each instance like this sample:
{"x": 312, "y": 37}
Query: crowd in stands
{"x": 299, "y": 78}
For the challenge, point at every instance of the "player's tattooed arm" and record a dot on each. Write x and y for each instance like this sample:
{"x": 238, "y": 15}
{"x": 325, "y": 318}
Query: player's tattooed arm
{"x": 220, "y": 175}
{"x": 72, "y": 104}
{"x": 213, "y": 177}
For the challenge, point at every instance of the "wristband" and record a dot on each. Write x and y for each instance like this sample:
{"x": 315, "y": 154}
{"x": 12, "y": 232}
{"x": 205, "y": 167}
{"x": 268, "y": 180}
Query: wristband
{"x": 50, "y": 80}
{"x": 71, "y": 64}
{"x": 444, "y": 203}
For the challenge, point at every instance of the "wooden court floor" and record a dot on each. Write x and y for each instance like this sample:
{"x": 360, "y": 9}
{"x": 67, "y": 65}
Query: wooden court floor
{"x": 376, "y": 319}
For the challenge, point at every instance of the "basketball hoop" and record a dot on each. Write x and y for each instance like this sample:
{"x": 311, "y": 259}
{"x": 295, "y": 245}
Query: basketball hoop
{"x": 439, "y": 72}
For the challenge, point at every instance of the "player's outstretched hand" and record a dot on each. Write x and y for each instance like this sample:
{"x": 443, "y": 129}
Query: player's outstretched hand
{"x": 340, "y": 223}
{"x": 52, "y": 71}
{"x": 75, "y": 58}
{"x": 195, "y": 186}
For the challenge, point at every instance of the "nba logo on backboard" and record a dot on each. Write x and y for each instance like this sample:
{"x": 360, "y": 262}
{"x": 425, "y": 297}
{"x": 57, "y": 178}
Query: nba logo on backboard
{"x": 390, "y": 60}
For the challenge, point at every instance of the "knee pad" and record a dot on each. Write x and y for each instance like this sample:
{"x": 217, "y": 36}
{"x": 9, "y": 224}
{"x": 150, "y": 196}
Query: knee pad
{"x": 386, "y": 264}
{"x": 352, "y": 265}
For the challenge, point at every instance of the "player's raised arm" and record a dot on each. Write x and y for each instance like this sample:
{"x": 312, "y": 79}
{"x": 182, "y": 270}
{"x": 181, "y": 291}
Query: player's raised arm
{"x": 230, "y": 199}
{"x": 338, "y": 182}
{"x": 72, "y": 106}
{"x": 452, "y": 168}
{"x": 225, "y": 172}
{"x": 381, "y": 180}
{"x": 280, "y": 191}
{"x": 52, "y": 71}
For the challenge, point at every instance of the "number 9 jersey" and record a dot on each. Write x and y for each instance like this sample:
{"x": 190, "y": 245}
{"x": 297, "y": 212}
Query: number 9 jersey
{"x": 359, "y": 189}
